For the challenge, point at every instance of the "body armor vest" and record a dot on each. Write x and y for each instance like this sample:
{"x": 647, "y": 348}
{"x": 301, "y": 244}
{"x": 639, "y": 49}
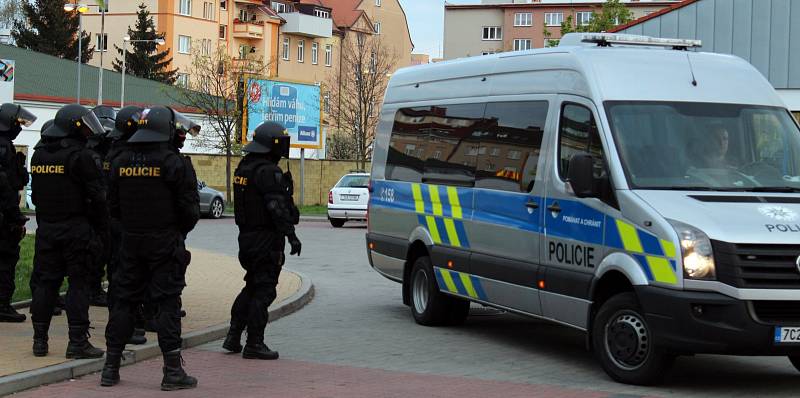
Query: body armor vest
{"x": 249, "y": 202}
{"x": 56, "y": 189}
{"x": 146, "y": 199}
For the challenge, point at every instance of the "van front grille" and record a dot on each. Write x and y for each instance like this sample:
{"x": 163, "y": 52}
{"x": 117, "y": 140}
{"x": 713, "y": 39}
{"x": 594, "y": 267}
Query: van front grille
{"x": 777, "y": 312}
{"x": 757, "y": 266}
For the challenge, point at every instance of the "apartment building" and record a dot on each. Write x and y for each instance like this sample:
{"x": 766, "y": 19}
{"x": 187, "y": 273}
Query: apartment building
{"x": 497, "y": 26}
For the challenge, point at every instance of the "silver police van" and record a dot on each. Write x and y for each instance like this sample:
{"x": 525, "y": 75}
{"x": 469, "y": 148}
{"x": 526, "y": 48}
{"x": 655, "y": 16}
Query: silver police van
{"x": 626, "y": 186}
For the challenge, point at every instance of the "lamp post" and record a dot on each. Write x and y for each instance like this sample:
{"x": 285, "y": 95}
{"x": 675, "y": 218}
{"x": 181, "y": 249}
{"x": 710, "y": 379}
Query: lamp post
{"x": 125, "y": 40}
{"x": 82, "y": 9}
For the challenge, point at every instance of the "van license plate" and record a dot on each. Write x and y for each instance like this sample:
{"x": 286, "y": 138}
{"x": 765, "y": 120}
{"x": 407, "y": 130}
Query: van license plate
{"x": 352, "y": 198}
{"x": 787, "y": 335}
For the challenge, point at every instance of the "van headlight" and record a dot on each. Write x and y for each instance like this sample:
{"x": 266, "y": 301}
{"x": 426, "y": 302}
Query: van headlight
{"x": 696, "y": 251}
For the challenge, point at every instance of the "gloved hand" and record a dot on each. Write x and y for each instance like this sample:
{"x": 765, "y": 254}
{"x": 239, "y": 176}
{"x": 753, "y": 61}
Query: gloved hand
{"x": 296, "y": 245}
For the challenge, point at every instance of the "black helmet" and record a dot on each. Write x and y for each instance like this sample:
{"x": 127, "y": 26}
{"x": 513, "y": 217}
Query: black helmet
{"x": 157, "y": 124}
{"x": 12, "y": 116}
{"x": 107, "y": 115}
{"x": 186, "y": 126}
{"x": 127, "y": 123}
{"x": 71, "y": 121}
{"x": 269, "y": 137}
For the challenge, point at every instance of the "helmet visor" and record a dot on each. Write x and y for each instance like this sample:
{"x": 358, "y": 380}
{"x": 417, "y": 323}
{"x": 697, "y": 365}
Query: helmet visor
{"x": 281, "y": 145}
{"x": 91, "y": 121}
{"x": 183, "y": 123}
{"x": 25, "y": 118}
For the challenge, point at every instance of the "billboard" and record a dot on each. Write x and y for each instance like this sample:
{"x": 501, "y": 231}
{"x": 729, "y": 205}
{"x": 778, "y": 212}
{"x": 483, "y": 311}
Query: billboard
{"x": 294, "y": 105}
{"x": 6, "y": 80}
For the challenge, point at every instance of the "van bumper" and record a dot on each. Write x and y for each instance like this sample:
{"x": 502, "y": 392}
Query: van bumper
{"x": 688, "y": 322}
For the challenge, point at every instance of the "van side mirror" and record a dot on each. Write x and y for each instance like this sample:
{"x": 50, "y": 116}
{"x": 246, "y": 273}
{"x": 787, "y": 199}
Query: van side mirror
{"x": 581, "y": 176}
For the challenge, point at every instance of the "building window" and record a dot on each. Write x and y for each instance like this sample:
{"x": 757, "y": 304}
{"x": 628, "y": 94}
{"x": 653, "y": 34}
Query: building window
{"x": 245, "y": 16}
{"x": 492, "y": 33}
{"x": 328, "y": 54}
{"x": 223, "y": 5}
{"x": 378, "y": 27}
{"x": 523, "y": 19}
{"x": 184, "y": 44}
{"x": 208, "y": 10}
{"x": 279, "y": 7}
{"x": 551, "y": 42}
{"x": 182, "y": 80}
{"x": 206, "y": 47}
{"x": 185, "y": 7}
{"x": 553, "y": 18}
{"x": 301, "y": 51}
{"x": 326, "y": 103}
{"x": 314, "y": 53}
{"x": 522, "y": 44}
{"x": 286, "y": 50}
{"x": 377, "y": 3}
{"x": 223, "y": 31}
{"x": 101, "y": 46}
{"x": 322, "y": 14}
{"x": 583, "y": 18}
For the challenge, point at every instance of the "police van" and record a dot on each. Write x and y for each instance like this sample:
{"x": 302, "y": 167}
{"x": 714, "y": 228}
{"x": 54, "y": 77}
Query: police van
{"x": 629, "y": 187}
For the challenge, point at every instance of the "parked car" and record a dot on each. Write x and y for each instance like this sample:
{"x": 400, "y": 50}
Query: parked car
{"x": 348, "y": 199}
{"x": 212, "y": 202}
{"x": 28, "y": 201}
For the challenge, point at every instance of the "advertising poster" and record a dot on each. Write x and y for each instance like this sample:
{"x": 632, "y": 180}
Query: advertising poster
{"x": 6, "y": 80}
{"x": 296, "y": 106}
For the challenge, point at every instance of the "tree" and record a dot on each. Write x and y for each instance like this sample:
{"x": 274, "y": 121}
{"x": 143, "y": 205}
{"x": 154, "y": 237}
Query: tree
{"x": 143, "y": 58}
{"x": 341, "y": 147}
{"x": 10, "y": 12}
{"x": 47, "y": 28}
{"x": 357, "y": 90}
{"x": 215, "y": 88}
{"x": 612, "y": 14}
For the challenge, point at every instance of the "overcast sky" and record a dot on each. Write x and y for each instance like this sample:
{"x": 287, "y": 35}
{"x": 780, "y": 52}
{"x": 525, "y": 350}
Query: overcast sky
{"x": 426, "y": 21}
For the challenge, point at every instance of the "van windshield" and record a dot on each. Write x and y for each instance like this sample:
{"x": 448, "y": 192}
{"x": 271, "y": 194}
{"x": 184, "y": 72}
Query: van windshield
{"x": 705, "y": 146}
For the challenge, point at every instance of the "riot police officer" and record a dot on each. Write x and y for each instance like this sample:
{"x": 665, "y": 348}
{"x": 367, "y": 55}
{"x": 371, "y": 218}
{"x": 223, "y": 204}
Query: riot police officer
{"x": 125, "y": 125}
{"x": 101, "y": 144}
{"x": 13, "y": 177}
{"x": 154, "y": 194}
{"x": 70, "y": 198}
{"x": 266, "y": 216}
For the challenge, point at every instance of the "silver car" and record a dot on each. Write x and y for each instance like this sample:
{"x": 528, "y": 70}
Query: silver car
{"x": 212, "y": 202}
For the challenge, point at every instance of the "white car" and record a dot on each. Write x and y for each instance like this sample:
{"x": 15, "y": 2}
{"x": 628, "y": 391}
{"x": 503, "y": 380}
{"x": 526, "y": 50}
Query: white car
{"x": 348, "y": 199}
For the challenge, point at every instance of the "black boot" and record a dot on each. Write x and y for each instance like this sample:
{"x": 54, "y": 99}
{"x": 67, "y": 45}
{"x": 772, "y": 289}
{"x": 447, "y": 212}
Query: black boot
{"x": 175, "y": 378}
{"x": 98, "y": 298}
{"x": 79, "y": 346}
{"x": 233, "y": 341}
{"x": 138, "y": 337}
{"x": 9, "y": 314}
{"x": 40, "y": 346}
{"x": 258, "y": 351}
{"x": 110, "y": 375}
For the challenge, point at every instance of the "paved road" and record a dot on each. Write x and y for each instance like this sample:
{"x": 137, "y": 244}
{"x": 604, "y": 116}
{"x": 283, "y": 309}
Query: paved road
{"x": 357, "y": 339}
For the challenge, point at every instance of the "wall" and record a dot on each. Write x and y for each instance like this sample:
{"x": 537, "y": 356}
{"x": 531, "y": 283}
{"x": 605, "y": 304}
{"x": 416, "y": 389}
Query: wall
{"x": 463, "y": 31}
{"x": 321, "y": 175}
{"x": 394, "y": 27}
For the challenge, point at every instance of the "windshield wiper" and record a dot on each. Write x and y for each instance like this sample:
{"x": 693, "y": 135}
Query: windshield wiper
{"x": 771, "y": 189}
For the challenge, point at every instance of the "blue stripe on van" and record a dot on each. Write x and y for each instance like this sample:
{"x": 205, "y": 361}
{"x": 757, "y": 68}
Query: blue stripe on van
{"x": 476, "y": 284}
{"x": 650, "y": 243}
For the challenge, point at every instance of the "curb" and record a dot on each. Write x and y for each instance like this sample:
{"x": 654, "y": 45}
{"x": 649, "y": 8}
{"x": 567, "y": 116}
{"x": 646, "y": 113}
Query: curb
{"x": 77, "y": 368}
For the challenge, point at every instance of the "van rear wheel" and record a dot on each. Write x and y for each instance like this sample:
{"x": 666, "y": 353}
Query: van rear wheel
{"x": 429, "y": 306}
{"x": 623, "y": 343}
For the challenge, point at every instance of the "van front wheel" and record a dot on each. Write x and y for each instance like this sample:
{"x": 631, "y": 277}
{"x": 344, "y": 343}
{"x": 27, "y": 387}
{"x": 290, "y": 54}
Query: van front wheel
{"x": 429, "y": 306}
{"x": 623, "y": 343}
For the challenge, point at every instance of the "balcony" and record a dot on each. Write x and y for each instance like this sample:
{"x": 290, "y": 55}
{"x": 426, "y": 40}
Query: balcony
{"x": 307, "y": 25}
{"x": 253, "y": 2}
{"x": 250, "y": 66}
{"x": 248, "y": 30}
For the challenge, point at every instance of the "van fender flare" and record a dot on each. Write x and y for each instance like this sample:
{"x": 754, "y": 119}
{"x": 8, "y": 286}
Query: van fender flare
{"x": 623, "y": 263}
{"x": 419, "y": 234}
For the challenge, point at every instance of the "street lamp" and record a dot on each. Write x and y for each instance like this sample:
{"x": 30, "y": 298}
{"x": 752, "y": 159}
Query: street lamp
{"x": 125, "y": 40}
{"x": 82, "y": 9}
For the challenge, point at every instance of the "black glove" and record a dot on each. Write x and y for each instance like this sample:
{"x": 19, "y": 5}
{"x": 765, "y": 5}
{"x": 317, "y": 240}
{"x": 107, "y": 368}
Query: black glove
{"x": 296, "y": 245}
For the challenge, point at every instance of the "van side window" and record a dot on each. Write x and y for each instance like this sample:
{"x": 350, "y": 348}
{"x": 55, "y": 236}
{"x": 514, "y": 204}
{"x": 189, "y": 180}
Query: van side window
{"x": 453, "y": 144}
{"x": 578, "y": 134}
{"x": 405, "y": 161}
{"x": 509, "y": 150}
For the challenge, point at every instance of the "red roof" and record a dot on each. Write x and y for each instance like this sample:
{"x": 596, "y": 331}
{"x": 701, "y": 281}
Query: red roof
{"x": 658, "y": 13}
{"x": 345, "y": 12}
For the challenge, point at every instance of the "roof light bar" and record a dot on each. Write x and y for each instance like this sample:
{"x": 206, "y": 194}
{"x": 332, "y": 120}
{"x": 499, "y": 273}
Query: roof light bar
{"x": 605, "y": 39}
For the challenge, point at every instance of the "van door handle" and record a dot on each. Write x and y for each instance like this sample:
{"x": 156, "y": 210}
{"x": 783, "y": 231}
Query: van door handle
{"x": 532, "y": 205}
{"x": 555, "y": 208}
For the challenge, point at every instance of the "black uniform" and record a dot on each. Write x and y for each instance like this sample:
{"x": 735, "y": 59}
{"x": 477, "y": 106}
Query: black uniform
{"x": 13, "y": 178}
{"x": 70, "y": 198}
{"x": 153, "y": 192}
{"x": 266, "y": 216}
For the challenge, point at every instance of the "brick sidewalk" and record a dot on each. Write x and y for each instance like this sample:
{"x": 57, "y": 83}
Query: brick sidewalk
{"x": 213, "y": 282}
{"x": 228, "y": 375}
